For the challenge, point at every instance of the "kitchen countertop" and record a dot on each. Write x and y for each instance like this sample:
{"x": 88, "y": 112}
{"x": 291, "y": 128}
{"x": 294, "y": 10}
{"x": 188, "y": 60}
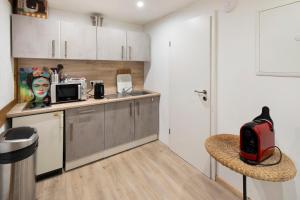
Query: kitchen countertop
{"x": 18, "y": 110}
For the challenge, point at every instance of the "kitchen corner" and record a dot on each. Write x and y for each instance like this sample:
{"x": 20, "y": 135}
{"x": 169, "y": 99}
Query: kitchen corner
{"x": 82, "y": 132}
{"x": 86, "y": 103}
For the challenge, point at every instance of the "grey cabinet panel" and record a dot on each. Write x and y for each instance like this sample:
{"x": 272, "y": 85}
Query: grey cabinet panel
{"x": 146, "y": 117}
{"x": 84, "y": 132}
{"x": 119, "y": 123}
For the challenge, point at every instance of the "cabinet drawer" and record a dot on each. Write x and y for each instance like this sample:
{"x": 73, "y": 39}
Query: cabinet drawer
{"x": 84, "y": 110}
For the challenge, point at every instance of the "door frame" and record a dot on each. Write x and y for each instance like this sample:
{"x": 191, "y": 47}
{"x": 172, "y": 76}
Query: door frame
{"x": 214, "y": 88}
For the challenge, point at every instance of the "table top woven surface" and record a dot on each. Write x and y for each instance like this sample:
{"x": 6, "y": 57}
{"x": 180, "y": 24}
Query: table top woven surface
{"x": 225, "y": 149}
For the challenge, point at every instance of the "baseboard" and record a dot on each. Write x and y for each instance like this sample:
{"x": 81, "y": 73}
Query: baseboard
{"x": 229, "y": 187}
{"x": 107, "y": 153}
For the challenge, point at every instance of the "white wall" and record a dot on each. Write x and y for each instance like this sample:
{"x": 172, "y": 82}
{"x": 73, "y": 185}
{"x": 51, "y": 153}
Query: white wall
{"x": 6, "y": 63}
{"x": 85, "y": 19}
{"x": 241, "y": 93}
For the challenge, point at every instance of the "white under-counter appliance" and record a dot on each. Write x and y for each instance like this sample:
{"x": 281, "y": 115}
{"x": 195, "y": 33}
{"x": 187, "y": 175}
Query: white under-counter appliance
{"x": 50, "y": 128}
{"x": 68, "y": 91}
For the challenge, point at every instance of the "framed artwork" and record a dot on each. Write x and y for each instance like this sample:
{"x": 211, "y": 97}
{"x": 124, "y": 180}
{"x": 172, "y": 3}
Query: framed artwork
{"x": 34, "y": 84}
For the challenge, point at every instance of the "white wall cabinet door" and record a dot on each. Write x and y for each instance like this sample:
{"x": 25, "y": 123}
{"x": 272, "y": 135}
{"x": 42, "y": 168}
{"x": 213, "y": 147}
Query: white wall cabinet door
{"x": 111, "y": 44}
{"x": 35, "y": 38}
{"x": 50, "y": 131}
{"x": 78, "y": 41}
{"x": 138, "y": 46}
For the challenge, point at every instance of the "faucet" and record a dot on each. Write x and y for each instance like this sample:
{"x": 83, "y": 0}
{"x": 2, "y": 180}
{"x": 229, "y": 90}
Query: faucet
{"x": 125, "y": 91}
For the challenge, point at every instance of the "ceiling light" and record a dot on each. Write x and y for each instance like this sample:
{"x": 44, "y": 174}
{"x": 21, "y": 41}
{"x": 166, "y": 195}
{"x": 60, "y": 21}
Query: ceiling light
{"x": 140, "y": 4}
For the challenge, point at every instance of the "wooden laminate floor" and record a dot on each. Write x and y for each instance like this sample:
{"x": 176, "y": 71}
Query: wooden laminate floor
{"x": 149, "y": 172}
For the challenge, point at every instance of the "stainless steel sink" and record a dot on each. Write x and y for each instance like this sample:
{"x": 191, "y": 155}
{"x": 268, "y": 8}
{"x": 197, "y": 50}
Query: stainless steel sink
{"x": 133, "y": 93}
{"x": 139, "y": 93}
{"x": 116, "y": 96}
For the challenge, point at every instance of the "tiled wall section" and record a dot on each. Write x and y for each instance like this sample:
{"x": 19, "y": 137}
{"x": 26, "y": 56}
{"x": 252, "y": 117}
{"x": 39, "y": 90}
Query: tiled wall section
{"x": 93, "y": 70}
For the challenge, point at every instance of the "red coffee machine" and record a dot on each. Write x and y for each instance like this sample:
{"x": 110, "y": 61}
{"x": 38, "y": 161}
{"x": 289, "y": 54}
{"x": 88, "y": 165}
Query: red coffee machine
{"x": 257, "y": 139}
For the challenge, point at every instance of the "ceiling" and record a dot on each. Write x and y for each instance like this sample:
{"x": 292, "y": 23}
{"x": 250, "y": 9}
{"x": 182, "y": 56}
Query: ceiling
{"x": 123, "y": 10}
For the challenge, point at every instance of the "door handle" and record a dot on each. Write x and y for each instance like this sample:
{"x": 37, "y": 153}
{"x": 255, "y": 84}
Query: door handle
{"x": 71, "y": 131}
{"x": 204, "y": 92}
{"x": 122, "y": 52}
{"x": 130, "y": 112}
{"x": 201, "y": 92}
{"x": 87, "y": 111}
{"x": 138, "y": 107}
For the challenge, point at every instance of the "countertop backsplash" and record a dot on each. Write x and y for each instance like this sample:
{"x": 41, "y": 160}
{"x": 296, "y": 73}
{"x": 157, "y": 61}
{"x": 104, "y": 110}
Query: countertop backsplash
{"x": 92, "y": 70}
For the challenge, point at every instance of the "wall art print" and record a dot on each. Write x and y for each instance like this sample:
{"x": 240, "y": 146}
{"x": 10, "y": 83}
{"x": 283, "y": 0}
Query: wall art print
{"x": 34, "y": 84}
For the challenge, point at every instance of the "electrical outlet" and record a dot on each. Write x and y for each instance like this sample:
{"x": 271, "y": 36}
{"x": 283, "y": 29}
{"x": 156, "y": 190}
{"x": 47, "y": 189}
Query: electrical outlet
{"x": 93, "y": 82}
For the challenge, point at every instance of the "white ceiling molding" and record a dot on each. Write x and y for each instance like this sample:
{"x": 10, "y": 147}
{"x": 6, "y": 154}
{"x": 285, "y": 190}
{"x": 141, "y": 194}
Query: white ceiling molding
{"x": 230, "y": 5}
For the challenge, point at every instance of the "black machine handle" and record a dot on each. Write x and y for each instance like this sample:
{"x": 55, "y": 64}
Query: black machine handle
{"x": 265, "y": 115}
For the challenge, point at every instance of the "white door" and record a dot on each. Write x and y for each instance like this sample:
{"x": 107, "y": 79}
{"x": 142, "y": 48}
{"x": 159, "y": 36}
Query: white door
{"x": 138, "y": 46}
{"x": 50, "y": 131}
{"x": 111, "y": 44}
{"x": 189, "y": 71}
{"x": 35, "y": 38}
{"x": 78, "y": 41}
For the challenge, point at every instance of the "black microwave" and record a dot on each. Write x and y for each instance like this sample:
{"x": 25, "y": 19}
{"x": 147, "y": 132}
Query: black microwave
{"x": 68, "y": 92}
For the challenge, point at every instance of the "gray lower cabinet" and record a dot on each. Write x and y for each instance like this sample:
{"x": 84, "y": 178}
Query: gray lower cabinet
{"x": 146, "y": 117}
{"x": 119, "y": 123}
{"x": 84, "y": 133}
{"x": 92, "y": 132}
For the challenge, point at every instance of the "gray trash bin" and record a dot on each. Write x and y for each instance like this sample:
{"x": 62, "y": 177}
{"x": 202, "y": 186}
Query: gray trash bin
{"x": 17, "y": 163}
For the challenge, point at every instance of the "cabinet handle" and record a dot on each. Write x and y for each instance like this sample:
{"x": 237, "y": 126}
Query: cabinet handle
{"x": 130, "y": 48}
{"x": 138, "y": 107}
{"x": 87, "y": 111}
{"x": 122, "y": 52}
{"x": 71, "y": 131}
{"x": 66, "y": 49}
{"x": 53, "y": 48}
{"x": 130, "y": 112}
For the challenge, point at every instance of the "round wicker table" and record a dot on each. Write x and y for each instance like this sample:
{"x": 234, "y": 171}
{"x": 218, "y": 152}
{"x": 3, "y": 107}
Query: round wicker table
{"x": 225, "y": 149}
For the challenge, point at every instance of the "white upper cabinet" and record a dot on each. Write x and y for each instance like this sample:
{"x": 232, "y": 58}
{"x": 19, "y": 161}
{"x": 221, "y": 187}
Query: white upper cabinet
{"x": 40, "y": 38}
{"x": 35, "y": 38}
{"x": 111, "y": 44}
{"x": 78, "y": 41}
{"x": 114, "y": 44}
{"x": 138, "y": 46}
